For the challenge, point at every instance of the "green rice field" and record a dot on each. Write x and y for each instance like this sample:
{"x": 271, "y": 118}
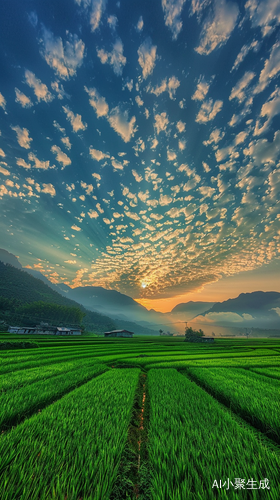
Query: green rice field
{"x": 148, "y": 418}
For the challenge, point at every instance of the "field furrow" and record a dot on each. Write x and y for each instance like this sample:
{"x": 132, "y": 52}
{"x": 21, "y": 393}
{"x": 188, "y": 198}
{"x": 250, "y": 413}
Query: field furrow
{"x": 72, "y": 449}
{"x": 194, "y": 441}
{"x": 252, "y": 396}
{"x": 17, "y": 404}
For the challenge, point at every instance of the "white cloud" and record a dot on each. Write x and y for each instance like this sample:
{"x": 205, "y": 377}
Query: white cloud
{"x": 239, "y": 90}
{"x": 270, "y": 70}
{"x": 206, "y": 191}
{"x": 120, "y": 122}
{"x": 43, "y": 165}
{"x": 66, "y": 142}
{"x": 147, "y": 57}
{"x": 98, "y": 102}
{"x": 172, "y": 15}
{"x": 218, "y": 28}
{"x": 201, "y": 90}
{"x": 140, "y": 24}
{"x": 2, "y": 153}
{"x": 59, "y": 89}
{"x": 4, "y": 171}
{"x": 60, "y": 156}
{"x": 164, "y": 200}
{"x": 115, "y": 58}
{"x": 93, "y": 214}
{"x": 49, "y": 189}
{"x": 171, "y": 155}
{"x": 132, "y": 215}
{"x": 97, "y": 155}
{"x": 208, "y": 111}
{"x": 22, "y": 163}
{"x": 139, "y": 100}
{"x": 215, "y": 136}
{"x": 254, "y": 45}
{"x": 161, "y": 122}
{"x": 40, "y": 89}
{"x": 269, "y": 109}
{"x": 22, "y": 99}
{"x": 22, "y": 136}
{"x": 112, "y": 21}
{"x": 95, "y": 9}
{"x": 75, "y": 120}
{"x": 63, "y": 59}
{"x": 239, "y": 138}
{"x": 262, "y": 151}
{"x": 75, "y": 228}
{"x": 137, "y": 176}
{"x": 264, "y": 13}
{"x": 154, "y": 143}
{"x": 116, "y": 164}
{"x": 180, "y": 126}
{"x": 169, "y": 86}
{"x": 222, "y": 317}
{"x": 182, "y": 145}
{"x": 96, "y": 176}
{"x": 2, "y": 101}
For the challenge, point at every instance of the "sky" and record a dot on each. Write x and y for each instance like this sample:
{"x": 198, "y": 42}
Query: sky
{"x": 140, "y": 145}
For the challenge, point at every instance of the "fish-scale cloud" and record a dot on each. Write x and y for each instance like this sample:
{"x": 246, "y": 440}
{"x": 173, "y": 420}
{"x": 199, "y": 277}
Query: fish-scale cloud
{"x": 265, "y": 14}
{"x": 61, "y": 157}
{"x": 22, "y": 99}
{"x": 120, "y": 122}
{"x": 94, "y": 10}
{"x": 65, "y": 58}
{"x": 147, "y": 54}
{"x": 115, "y": 58}
{"x": 2, "y": 101}
{"x": 172, "y": 10}
{"x": 75, "y": 120}
{"x": 40, "y": 89}
{"x": 218, "y": 27}
{"x": 98, "y": 102}
{"x": 208, "y": 110}
{"x": 23, "y": 137}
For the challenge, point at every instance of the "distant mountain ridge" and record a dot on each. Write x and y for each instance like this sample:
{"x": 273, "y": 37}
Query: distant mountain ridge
{"x": 246, "y": 303}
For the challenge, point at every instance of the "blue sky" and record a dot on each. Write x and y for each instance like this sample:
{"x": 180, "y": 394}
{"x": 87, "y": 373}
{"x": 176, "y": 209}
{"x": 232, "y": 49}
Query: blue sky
{"x": 140, "y": 143}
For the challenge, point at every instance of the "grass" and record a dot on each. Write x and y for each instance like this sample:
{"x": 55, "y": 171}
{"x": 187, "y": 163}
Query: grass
{"x": 73, "y": 448}
{"x": 17, "y": 404}
{"x": 252, "y": 396}
{"x": 84, "y": 441}
{"x": 193, "y": 440}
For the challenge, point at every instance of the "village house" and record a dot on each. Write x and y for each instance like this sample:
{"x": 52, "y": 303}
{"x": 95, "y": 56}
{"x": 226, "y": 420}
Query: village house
{"x": 119, "y": 333}
{"x": 44, "y": 330}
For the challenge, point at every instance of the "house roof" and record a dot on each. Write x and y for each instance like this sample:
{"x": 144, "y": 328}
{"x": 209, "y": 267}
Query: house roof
{"x": 120, "y": 331}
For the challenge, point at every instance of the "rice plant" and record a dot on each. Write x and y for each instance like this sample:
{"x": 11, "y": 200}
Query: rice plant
{"x": 17, "y": 404}
{"x": 252, "y": 396}
{"x": 73, "y": 448}
{"x": 194, "y": 441}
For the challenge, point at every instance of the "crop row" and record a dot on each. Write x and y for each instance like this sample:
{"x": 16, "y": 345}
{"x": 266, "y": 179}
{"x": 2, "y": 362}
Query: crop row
{"x": 72, "y": 449}
{"x": 252, "y": 396}
{"x": 194, "y": 441}
{"x": 253, "y": 361}
{"x": 269, "y": 372}
{"x": 17, "y": 404}
{"x": 19, "y": 378}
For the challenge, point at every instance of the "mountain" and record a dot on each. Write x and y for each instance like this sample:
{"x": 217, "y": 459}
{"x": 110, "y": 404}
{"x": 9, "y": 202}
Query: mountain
{"x": 17, "y": 288}
{"x": 9, "y": 258}
{"x": 191, "y": 309}
{"x": 252, "y": 310}
{"x": 248, "y": 303}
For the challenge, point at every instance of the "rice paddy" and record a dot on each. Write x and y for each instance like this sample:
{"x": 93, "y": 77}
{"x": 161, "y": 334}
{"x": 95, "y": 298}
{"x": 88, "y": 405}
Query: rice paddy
{"x": 147, "y": 418}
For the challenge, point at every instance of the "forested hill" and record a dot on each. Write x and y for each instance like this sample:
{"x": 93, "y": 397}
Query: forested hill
{"x": 18, "y": 288}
